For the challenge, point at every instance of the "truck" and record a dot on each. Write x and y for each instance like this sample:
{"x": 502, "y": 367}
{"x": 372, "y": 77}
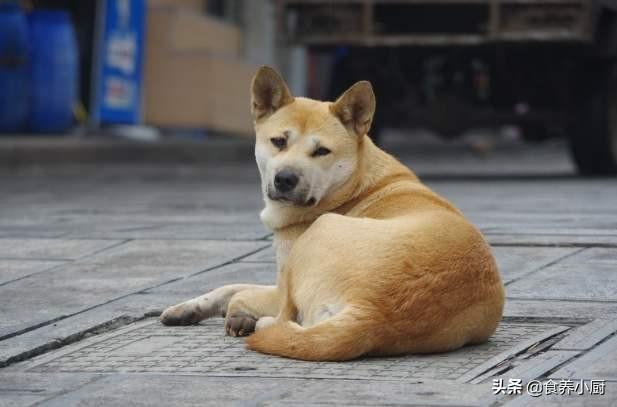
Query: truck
{"x": 548, "y": 67}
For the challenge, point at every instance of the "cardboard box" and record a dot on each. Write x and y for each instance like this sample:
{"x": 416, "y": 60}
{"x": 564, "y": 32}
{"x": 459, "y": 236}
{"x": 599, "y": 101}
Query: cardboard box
{"x": 197, "y": 5}
{"x": 195, "y": 82}
{"x": 194, "y": 32}
{"x": 200, "y": 91}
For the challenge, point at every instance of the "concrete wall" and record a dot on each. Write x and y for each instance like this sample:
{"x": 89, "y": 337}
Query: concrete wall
{"x": 258, "y": 21}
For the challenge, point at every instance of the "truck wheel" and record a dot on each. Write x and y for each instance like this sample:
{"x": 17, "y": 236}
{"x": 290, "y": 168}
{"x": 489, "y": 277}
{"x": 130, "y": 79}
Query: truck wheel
{"x": 593, "y": 135}
{"x": 535, "y": 132}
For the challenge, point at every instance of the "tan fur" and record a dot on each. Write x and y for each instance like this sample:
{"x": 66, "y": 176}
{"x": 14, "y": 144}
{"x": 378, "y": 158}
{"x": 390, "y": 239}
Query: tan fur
{"x": 379, "y": 264}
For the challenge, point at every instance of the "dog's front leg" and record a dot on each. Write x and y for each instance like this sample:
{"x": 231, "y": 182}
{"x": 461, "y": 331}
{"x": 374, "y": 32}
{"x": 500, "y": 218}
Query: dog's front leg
{"x": 263, "y": 304}
{"x": 248, "y": 306}
{"x": 205, "y": 306}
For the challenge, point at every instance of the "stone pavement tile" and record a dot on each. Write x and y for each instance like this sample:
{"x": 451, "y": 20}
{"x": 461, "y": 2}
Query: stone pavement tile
{"x": 371, "y": 393}
{"x": 167, "y": 390}
{"x": 579, "y": 221}
{"x": 530, "y": 239}
{"x": 215, "y": 225}
{"x": 526, "y": 367}
{"x": 568, "y": 196}
{"x": 597, "y": 281}
{"x": 52, "y": 249}
{"x": 586, "y": 336}
{"x": 598, "y": 363}
{"x": 17, "y": 389}
{"x": 595, "y": 255}
{"x": 172, "y": 224}
{"x": 515, "y": 262}
{"x": 194, "y": 230}
{"x": 132, "y": 307}
{"x": 125, "y": 269}
{"x": 551, "y": 230}
{"x": 264, "y": 256}
{"x": 204, "y": 349}
{"x": 9, "y": 229}
{"x": 252, "y": 273}
{"x": 522, "y": 308}
{"x": 13, "y": 269}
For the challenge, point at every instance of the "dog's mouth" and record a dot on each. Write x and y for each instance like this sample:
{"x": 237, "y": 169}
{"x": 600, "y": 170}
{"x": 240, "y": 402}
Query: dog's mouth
{"x": 292, "y": 200}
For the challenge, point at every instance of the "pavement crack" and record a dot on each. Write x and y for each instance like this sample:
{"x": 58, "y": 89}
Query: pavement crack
{"x": 76, "y": 337}
{"x": 547, "y": 265}
{"x": 141, "y": 291}
{"x": 234, "y": 260}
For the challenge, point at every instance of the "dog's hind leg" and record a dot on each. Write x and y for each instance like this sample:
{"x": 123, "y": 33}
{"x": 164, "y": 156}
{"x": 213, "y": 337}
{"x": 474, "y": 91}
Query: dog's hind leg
{"x": 206, "y": 306}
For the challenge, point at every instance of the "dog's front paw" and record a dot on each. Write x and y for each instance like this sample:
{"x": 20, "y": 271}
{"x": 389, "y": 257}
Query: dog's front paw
{"x": 181, "y": 314}
{"x": 240, "y": 324}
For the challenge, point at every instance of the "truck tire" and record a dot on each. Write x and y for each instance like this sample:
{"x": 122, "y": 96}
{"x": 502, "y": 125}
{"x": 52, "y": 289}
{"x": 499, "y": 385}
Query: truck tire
{"x": 593, "y": 133}
{"x": 535, "y": 132}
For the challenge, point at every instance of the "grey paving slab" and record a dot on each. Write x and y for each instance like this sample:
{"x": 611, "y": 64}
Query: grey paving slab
{"x": 595, "y": 255}
{"x": 515, "y": 262}
{"x": 489, "y": 199}
{"x": 551, "y": 240}
{"x": 427, "y": 393}
{"x": 148, "y": 224}
{"x": 52, "y": 249}
{"x": 14, "y": 269}
{"x": 125, "y": 269}
{"x": 588, "y": 335}
{"x": 131, "y": 307}
{"x": 253, "y": 273}
{"x": 535, "y": 219}
{"x": 21, "y": 390}
{"x": 167, "y": 390}
{"x": 30, "y": 230}
{"x": 195, "y": 230}
{"x": 554, "y": 231}
{"x": 191, "y": 390}
{"x": 569, "y": 281}
{"x": 584, "y": 310}
{"x": 527, "y": 367}
{"x": 149, "y": 347}
{"x": 264, "y": 256}
{"x": 171, "y": 224}
{"x": 598, "y": 363}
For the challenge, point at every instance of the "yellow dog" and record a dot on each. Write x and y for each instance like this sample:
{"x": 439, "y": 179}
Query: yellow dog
{"x": 370, "y": 261}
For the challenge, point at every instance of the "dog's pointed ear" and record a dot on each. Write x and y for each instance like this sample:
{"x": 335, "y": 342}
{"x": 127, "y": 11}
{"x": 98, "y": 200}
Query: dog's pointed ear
{"x": 269, "y": 93}
{"x": 355, "y": 108}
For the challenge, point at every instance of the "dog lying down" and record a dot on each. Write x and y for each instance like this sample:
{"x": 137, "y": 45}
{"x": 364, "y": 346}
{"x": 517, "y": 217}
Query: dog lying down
{"x": 370, "y": 261}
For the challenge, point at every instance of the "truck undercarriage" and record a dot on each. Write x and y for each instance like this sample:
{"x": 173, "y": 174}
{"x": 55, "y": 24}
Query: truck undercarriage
{"x": 547, "y": 66}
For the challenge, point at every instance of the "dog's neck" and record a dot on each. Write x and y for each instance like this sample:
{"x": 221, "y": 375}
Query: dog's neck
{"x": 374, "y": 168}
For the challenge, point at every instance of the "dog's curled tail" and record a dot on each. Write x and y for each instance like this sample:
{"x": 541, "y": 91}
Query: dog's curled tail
{"x": 342, "y": 337}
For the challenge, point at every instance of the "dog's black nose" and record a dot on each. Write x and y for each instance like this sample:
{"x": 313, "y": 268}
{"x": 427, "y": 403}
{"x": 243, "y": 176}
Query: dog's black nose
{"x": 285, "y": 180}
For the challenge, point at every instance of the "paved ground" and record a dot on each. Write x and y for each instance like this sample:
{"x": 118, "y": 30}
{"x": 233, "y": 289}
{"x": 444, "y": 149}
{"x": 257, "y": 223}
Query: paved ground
{"x": 88, "y": 257}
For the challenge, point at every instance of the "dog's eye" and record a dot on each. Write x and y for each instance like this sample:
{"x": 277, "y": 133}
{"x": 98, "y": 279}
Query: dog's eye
{"x": 279, "y": 142}
{"x": 320, "y": 151}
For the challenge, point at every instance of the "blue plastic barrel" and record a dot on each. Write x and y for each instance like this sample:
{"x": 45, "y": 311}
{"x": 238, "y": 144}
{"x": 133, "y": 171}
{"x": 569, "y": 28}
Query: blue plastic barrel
{"x": 54, "y": 71}
{"x": 14, "y": 71}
